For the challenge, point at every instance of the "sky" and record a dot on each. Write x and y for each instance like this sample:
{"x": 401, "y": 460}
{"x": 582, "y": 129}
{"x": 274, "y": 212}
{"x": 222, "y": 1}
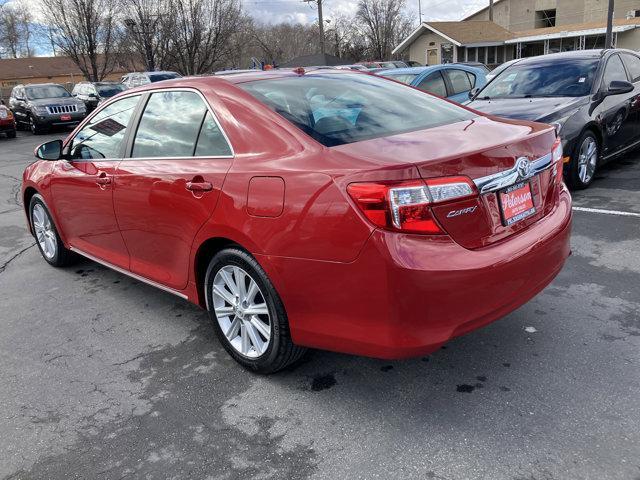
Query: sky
{"x": 297, "y": 11}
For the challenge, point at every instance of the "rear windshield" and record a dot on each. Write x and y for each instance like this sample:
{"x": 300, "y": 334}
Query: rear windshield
{"x": 158, "y": 77}
{"x": 46, "y": 91}
{"x": 566, "y": 78}
{"x": 400, "y": 77}
{"x": 346, "y": 108}
{"x": 110, "y": 89}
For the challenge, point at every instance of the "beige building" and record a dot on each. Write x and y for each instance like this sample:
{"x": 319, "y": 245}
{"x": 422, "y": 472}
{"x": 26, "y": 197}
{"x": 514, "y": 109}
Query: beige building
{"x": 62, "y": 70}
{"x": 523, "y": 28}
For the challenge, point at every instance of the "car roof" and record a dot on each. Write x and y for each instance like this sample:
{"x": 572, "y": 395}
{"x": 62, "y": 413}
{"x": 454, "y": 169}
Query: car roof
{"x": 256, "y": 75}
{"x": 432, "y": 68}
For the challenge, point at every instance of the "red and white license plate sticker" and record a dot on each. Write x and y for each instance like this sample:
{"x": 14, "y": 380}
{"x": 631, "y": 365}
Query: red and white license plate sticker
{"x": 65, "y": 118}
{"x": 516, "y": 203}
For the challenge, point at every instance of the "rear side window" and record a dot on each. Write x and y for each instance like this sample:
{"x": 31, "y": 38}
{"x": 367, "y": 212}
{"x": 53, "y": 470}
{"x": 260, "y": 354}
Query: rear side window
{"x": 434, "y": 83}
{"x": 459, "y": 81}
{"x": 633, "y": 65}
{"x": 211, "y": 141}
{"x": 335, "y": 109}
{"x": 178, "y": 124}
{"x": 102, "y": 136}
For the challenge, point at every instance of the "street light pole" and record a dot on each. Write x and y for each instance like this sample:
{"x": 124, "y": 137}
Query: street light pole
{"x": 320, "y": 23}
{"x": 608, "y": 42}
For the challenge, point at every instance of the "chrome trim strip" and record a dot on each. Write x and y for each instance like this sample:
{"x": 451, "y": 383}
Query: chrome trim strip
{"x": 130, "y": 274}
{"x": 506, "y": 178}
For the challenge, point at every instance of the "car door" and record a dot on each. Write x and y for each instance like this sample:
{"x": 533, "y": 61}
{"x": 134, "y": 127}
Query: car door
{"x": 632, "y": 62}
{"x": 616, "y": 113}
{"x": 82, "y": 186}
{"x": 433, "y": 83}
{"x": 459, "y": 84}
{"x": 170, "y": 184}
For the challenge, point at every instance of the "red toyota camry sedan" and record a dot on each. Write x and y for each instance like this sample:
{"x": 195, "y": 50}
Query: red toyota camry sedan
{"x": 326, "y": 209}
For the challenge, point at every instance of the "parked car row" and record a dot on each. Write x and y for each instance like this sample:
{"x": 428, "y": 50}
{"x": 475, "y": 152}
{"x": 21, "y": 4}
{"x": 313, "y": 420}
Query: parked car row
{"x": 40, "y": 107}
{"x": 327, "y": 208}
{"x": 591, "y": 96}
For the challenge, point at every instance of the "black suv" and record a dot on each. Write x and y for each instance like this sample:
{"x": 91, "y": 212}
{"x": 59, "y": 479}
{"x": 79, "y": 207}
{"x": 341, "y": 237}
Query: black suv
{"x": 94, "y": 93}
{"x": 45, "y": 105}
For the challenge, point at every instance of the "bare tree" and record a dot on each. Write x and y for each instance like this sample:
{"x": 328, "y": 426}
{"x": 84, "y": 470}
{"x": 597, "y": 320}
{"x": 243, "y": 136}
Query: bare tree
{"x": 284, "y": 41}
{"x": 148, "y": 30}
{"x": 16, "y": 31}
{"x": 85, "y": 31}
{"x": 202, "y": 32}
{"x": 380, "y": 22}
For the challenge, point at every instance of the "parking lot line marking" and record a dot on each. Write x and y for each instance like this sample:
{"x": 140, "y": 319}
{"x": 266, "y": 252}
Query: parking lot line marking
{"x": 606, "y": 212}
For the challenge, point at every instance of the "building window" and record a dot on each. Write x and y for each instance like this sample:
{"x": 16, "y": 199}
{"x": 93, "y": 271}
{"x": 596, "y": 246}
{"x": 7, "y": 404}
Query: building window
{"x": 446, "y": 53}
{"x": 491, "y": 55}
{"x": 545, "y": 18}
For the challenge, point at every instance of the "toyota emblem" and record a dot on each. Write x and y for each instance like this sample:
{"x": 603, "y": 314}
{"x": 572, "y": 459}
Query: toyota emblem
{"x": 523, "y": 167}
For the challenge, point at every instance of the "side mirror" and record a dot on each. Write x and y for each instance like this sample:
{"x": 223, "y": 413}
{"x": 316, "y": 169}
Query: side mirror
{"x": 618, "y": 87}
{"x": 93, "y": 95}
{"x": 473, "y": 92}
{"x": 49, "y": 151}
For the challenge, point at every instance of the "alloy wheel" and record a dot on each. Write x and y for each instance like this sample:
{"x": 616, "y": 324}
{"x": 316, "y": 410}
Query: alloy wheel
{"x": 587, "y": 159}
{"x": 45, "y": 234}
{"x": 241, "y": 310}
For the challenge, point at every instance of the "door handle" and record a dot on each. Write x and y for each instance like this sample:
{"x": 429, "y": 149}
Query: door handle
{"x": 103, "y": 179}
{"x": 199, "y": 185}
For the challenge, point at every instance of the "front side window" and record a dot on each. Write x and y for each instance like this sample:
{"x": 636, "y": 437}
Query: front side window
{"x": 170, "y": 125}
{"x": 614, "y": 71}
{"x": 568, "y": 78}
{"x": 103, "y": 135}
{"x": 633, "y": 65}
{"x": 459, "y": 81}
{"x": 434, "y": 84}
{"x": 46, "y": 91}
{"x": 335, "y": 109}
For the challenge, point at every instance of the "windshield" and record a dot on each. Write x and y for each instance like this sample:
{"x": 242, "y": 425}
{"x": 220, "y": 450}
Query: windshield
{"x": 335, "y": 109}
{"x": 157, "y": 77}
{"x": 109, "y": 90}
{"x": 46, "y": 91}
{"x": 569, "y": 78}
{"x": 400, "y": 77}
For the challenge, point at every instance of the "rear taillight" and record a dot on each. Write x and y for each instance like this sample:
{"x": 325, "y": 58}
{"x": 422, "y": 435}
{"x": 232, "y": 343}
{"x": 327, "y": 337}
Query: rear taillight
{"x": 405, "y": 206}
{"x": 556, "y": 160}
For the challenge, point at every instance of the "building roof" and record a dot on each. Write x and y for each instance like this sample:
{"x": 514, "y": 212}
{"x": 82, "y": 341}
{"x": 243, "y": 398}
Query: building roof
{"x": 574, "y": 30}
{"x": 34, "y": 67}
{"x": 495, "y": 2}
{"x": 315, "y": 60}
{"x": 470, "y": 33}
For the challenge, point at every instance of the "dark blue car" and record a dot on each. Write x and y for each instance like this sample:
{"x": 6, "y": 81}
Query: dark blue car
{"x": 450, "y": 80}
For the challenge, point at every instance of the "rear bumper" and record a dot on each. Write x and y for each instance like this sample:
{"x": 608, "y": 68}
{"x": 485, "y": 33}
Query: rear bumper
{"x": 406, "y": 295}
{"x": 7, "y": 125}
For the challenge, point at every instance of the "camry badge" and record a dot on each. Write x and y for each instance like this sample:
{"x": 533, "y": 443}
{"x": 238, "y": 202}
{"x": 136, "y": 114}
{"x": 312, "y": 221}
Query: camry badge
{"x": 523, "y": 167}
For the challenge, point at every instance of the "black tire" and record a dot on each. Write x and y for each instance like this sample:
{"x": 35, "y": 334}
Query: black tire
{"x": 63, "y": 257}
{"x": 281, "y": 352}
{"x": 11, "y": 134}
{"x": 34, "y": 127}
{"x": 574, "y": 179}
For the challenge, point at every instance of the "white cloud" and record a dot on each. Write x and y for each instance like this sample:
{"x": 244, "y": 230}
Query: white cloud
{"x": 293, "y": 11}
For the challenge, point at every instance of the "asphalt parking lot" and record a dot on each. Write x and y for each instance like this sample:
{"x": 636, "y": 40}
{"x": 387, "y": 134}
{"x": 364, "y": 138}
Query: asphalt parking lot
{"x": 105, "y": 377}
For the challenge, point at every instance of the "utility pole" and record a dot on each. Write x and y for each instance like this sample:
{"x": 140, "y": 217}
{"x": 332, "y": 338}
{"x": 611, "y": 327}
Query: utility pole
{"x": 320, "y": 23}
{"x": 491, "y": 10}
{"x": 608, "y": 42}
{"x": 419, "y": 12}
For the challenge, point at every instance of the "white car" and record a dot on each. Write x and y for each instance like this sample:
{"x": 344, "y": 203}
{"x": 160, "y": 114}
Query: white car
{"x": 135, "y": 79}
